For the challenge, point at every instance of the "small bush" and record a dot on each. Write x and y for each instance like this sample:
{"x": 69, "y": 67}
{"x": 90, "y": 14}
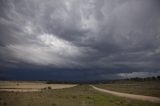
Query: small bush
{"x": 49, "y": 87}
{"x": 54, "y": 104}
{"x": 74, "y": 97}
{"x": 4, "y": 103}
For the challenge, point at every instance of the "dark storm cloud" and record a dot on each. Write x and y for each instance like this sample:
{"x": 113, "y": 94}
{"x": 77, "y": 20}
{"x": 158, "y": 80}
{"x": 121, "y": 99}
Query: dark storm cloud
{"x": 100, "y": 38}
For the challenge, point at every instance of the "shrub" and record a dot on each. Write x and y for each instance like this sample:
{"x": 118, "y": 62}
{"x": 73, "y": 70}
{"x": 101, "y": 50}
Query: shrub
{"x": 49, "y": 87}
{"x": 4, "y": 103}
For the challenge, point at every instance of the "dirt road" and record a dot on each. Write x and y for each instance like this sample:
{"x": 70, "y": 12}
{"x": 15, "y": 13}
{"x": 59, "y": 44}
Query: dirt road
{"x": 132, "y": 96}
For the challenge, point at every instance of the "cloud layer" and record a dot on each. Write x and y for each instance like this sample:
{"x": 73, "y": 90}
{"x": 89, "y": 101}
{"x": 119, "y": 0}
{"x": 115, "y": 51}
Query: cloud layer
{"x": 96, "y": 37}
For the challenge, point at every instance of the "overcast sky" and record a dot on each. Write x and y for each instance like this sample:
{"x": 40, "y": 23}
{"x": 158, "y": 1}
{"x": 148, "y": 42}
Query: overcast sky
{"x": 79, "y": 39}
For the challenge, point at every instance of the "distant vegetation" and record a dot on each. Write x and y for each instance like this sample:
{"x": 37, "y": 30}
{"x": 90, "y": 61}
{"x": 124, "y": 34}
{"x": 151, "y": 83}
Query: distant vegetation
{"x": 144, "y": 79}
{"x": 103, "y": 81}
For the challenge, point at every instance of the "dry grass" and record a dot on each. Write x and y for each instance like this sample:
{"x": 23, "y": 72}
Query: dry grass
{"x": 148, "y": 88}
{"x": 30, "y": 86}
{"x": 82, "y": 95}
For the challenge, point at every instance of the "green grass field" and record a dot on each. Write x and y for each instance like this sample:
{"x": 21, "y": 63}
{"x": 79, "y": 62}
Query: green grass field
{"x": 149, "y": 88}
{"x": 81, "y": 95}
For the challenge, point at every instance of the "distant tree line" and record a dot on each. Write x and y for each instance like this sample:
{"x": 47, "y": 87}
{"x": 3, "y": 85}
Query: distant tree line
{"x": 144, "y": 79}
{"x": 103, "y": 81}
{"x": 77, "y": 82}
